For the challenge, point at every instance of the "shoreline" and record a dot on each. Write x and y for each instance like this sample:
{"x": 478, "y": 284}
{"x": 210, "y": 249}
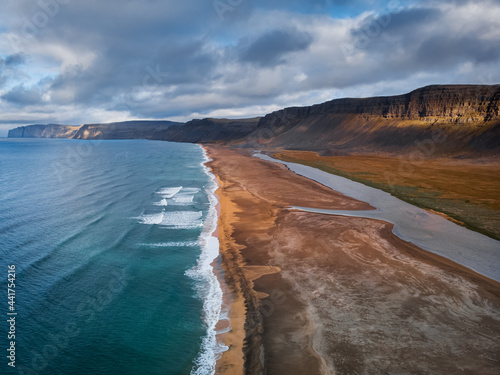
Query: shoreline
{"x": 207, "y": 269}
{"x": 229, "y": 330}
{"x": 285, "y": 302}
{"x": 242, "y": 276}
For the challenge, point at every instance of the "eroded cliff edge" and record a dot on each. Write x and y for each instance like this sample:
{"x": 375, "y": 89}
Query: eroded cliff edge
{"x": 195, "y": 131}
{"x": 462, "y": 118}
{"x": 459, "y": 119}
{"x": 44, "y": 131}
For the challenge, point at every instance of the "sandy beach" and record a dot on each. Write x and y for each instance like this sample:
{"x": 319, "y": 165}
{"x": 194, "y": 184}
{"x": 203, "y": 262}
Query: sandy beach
{"x": 323, "y": 294}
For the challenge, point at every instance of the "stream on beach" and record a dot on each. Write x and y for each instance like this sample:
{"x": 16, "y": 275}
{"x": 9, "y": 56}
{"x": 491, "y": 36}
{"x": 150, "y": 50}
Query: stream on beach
{"x": 426, "y": 230}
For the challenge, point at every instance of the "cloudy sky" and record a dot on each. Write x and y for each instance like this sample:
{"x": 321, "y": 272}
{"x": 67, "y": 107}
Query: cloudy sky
{"x": 83, "y": 61}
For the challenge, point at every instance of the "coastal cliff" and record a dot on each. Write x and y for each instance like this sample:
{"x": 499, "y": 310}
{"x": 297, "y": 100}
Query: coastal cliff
{"x": 466, "y": 117}
{"x": 124, "y": 130}
{"x": 44, "y": 131}
{"x": 195, "y": 131}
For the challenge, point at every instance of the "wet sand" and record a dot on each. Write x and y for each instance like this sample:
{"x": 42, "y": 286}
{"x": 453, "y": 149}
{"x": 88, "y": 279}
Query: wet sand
{"x": 318, "y": 294}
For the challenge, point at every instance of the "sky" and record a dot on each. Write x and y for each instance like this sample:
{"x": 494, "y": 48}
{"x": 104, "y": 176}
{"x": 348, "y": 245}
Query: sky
{"x": 87, "y": 61}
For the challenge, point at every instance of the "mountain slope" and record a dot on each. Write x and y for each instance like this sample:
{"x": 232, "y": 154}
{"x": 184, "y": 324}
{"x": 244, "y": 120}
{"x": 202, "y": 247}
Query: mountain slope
{"x": 456, "y": 118}
{"x": 439, "y": 119}
{"x": 124, "y": 130}
{"x": 211, "y": 130}
{"x": 194, "y": 131}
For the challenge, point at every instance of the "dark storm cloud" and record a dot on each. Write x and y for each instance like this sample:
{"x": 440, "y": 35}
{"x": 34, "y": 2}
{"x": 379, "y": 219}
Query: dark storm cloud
{"x": 379, "y": 32}
{"x": 355, "y": 6}
{"x": 401, "y": 21}
{"x": 184, "y": 63}
{"x": 272, "y": 47}
{"x": 123, "y": 71}
{"x": 21, "y": 95}
{"x": 128, "y": 41}
{"x": 8, "y": 67}
{"x": 162, "y": 43}
{"x": 422, "y": 39}
{"x": 15, "y": 59}
{"x": 444, "y": 50}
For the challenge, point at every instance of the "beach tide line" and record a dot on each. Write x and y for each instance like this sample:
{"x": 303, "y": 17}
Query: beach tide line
{"x": 209, "y": 288}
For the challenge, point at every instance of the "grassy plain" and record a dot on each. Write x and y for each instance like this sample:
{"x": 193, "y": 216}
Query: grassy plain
{"x": 465, "y": 191}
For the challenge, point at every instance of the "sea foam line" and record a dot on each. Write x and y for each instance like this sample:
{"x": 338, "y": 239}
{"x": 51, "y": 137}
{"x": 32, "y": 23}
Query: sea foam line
{"x": 163, "y": 203}
{"x": 169, "y": 192}
{"x": 209, "y": 287}
{"x": 172, "y": 244}
{"x": 173, "y": 219}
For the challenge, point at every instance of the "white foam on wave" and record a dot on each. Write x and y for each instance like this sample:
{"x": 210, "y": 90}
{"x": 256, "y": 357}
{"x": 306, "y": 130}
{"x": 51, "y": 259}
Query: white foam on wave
{"x": 169, "y": 192}
{"x": 190, "y": 190}
{"x": 151, "y": 219}
{"x": 163, "y": 202}
{"x": 208, "y": 286}
{"x": 171, "y": 244}
{"x": 182, "y": 219}
{"x": 173, "y": 219}
{"x": 183, "y": 198}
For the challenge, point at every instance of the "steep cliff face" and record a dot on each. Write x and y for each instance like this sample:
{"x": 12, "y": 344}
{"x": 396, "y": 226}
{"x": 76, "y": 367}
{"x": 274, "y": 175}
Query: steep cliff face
{"x": 465, "y": 116}
{"x": 206, "y": 130}
{"x": 125, "y": 130}
{"x": 454, "y": 104}
{"x": 44, "y": 131}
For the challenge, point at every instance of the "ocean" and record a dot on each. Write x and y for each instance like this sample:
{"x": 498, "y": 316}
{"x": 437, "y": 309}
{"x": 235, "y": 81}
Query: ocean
{"x": 112, "y": 247}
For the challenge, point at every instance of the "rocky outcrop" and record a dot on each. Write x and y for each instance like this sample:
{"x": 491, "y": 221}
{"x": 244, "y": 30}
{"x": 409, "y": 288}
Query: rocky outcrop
{"x": 44, "y": 131}
{"x": 113, "y": 130}
{"x": 125, "y": 130}
{"x": 195, "y": 131}
{"x": 466, "y": 116}
{"x": 447, "y": 103}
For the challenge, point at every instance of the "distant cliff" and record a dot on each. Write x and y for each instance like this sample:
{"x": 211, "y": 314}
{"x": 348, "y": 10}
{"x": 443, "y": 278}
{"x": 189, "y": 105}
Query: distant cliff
{"x": 44, "y": 131}
{"x": 194, "y": 131}
{"x": 466, "y": 116}
{"x": 211, "y": 130}
{"x": 124, "y": 130}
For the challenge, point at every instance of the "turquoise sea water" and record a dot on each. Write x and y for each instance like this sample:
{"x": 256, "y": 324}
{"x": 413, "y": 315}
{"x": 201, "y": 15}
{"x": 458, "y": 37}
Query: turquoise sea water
{"x": 112, "y": 250}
